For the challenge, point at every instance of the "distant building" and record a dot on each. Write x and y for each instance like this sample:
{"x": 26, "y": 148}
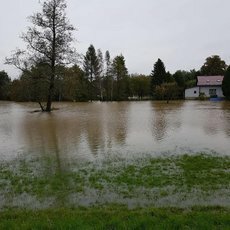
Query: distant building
{"x": 209, "y": 86}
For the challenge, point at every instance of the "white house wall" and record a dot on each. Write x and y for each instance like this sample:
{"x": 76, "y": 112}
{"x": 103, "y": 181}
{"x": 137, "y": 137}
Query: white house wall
{"x": 192, "y": 93}
{"x": 205, "y": 89}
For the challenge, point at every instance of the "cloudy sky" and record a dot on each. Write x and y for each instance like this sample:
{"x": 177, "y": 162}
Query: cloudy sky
{"x": 180, "y": 32}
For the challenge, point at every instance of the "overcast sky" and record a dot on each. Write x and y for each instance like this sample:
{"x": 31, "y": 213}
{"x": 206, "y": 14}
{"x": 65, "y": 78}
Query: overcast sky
{"x": 180, "y": 32}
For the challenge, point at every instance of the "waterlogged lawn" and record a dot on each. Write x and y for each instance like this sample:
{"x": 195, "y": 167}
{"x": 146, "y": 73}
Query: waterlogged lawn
{"x": 176, "y": 181}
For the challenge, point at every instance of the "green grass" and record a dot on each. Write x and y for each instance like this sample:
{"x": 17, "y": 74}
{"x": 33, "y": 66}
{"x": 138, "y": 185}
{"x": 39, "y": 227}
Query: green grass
{"x": 173, "y": 179}
{"x": 161, "y": 193}
{"x": 117, "y": 217}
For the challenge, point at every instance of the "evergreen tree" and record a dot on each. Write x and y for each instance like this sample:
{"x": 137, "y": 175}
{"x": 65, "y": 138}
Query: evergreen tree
{"x": 226, "y": 84}
{"x": 108, "y": 81}
{"x": 4, "y": 85}
{"x": 100, "y": 74}
{"x": 158, "y": 75}
{"x": 91, "y": 68}
{"x": 120, "y": 73}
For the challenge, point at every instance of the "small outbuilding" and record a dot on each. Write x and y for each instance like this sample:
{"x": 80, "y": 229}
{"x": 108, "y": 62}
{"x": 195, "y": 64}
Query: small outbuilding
{"x": 192, "y": 93}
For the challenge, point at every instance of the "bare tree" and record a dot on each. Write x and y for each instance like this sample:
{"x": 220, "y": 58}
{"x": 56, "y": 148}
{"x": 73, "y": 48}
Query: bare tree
{"x": 49, "y": 42}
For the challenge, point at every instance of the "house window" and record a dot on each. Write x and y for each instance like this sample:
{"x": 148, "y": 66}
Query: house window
{"x": 194, "y": 91}
{"x": 212, "y": 92}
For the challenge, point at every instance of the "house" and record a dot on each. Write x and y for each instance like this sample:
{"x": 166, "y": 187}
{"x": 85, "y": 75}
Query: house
{"x": 209, "y": 86}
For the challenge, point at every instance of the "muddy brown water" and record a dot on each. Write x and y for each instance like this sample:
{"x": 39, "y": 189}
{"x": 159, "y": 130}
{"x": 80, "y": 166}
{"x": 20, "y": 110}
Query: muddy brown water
{"x": 103, "y": 129}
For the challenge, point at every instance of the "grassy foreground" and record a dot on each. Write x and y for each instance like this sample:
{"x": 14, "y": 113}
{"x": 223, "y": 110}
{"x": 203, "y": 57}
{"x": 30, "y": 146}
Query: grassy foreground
{"x": 176, "y": 181}
{"x": 117, "y": 218}
{"x": 167, "y": 192}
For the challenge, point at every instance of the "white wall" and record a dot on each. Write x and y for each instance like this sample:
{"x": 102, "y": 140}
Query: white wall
{"x": 205, "y": 89}
{"x": 192, "y": 93}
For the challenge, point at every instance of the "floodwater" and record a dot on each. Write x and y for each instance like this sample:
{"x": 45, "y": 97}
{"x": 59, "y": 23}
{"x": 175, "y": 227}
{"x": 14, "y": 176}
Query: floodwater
{"x": 86, "y": 131}
{"x": 57, "y": 159}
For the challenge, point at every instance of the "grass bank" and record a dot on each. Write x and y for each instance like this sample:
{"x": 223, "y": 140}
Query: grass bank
{"x": 117, "y": 217}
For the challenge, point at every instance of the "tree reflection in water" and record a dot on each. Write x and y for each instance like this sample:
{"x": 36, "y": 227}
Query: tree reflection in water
{"x": 165, "y": 117}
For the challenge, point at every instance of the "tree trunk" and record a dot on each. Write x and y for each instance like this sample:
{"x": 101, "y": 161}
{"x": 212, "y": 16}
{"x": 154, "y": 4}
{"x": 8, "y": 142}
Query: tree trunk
{"x": 41, "y": 106}
{"x": 53, "y": 62}
{"x": 50, "y": 94}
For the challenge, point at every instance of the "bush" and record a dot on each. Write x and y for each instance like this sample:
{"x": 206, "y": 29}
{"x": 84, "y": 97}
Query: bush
{"x": 202, "y": 96}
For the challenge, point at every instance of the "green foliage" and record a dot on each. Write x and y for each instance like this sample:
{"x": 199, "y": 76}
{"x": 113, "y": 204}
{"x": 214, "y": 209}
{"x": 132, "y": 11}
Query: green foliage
{"x": 179, "y": 77}
{"x": 167, "y": 91}
{"x": 139, "y": 85}
{"x": 158, "y": 75}
{"x": 169, "y": 78}
{"x": 213, "y": 66}
{"x": 120, "y": 73}
{"x": 75, "y": 84}
{"x": 184, "y": 79}
{"x": 108, "y": 80}
{"x": 100, "y": 75}
{"x": 21, "y": 89}
{"x": 202, "y": 96}
{"x": 37, "y": 78}
{"x": 226, "y": 84}
{"x": 91, "y": 68}
{"x": 70, "y": 85}
{"x": 4, "y": 85}
{"x": 16, "y": 91}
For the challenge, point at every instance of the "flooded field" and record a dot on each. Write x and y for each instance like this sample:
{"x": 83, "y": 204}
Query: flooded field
{"x": 131, "y": 153}
{"x": 98, "y": 130}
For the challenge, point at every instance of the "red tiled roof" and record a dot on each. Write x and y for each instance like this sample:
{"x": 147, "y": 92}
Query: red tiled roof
{"x": 209, "y": 80}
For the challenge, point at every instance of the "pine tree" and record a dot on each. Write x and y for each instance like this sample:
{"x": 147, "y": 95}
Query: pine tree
{"x": 109, "y": 81}
{"x": 91, "y": 68}
{"x": 4, "y": 85}
{"x": 100, "y": 74}
{"x": 120, "y": 73}
{"x": 158, "y": 75}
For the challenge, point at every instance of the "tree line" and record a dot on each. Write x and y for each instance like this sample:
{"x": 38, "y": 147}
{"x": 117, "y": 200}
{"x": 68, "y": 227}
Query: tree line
{"x": 102, "y": 78}
{"x": 50, "y": 68}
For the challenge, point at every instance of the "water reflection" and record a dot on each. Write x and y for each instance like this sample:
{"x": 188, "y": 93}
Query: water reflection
{"x": 84, "y": 131}
{"x": 165, "y": 117}
{"x": 211, "y": 122}
{"x": 117, "y": 122}
{"x": 77, "y": 130}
